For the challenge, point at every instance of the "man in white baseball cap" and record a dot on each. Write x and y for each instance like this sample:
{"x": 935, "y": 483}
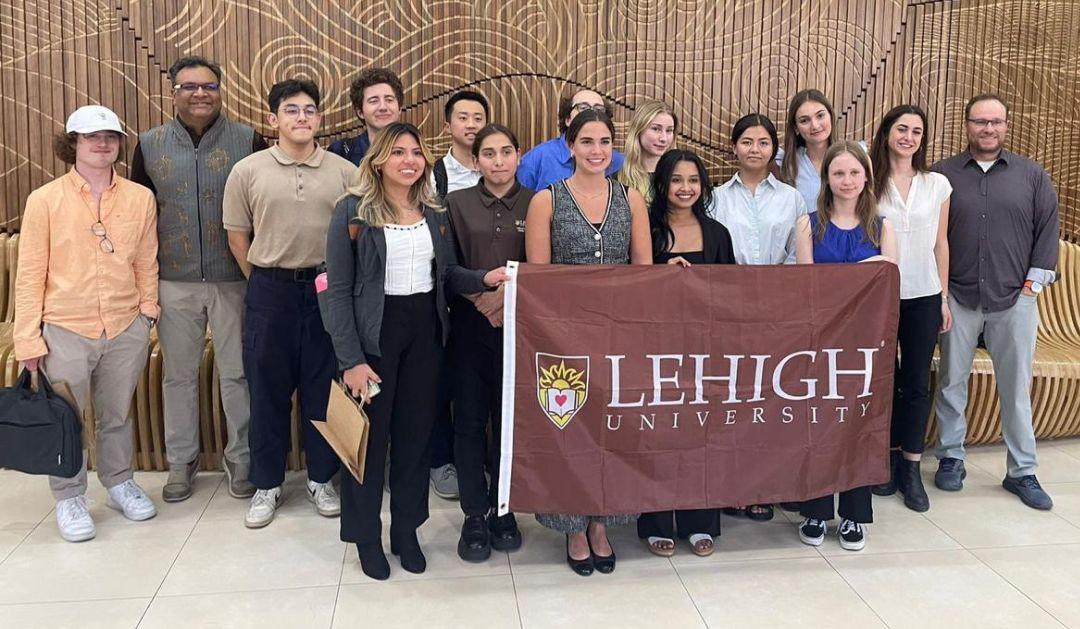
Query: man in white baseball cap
{"x": 86, "y": 298}
{"x": 93, "y": 118}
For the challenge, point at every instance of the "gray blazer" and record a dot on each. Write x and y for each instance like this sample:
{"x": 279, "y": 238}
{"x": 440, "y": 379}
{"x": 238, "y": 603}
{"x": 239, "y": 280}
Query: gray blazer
{"x": 355, "y": 273}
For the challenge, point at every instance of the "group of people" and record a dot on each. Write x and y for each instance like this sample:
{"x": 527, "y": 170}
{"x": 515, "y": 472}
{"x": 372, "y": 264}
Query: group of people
{"x": 215, "y": 227}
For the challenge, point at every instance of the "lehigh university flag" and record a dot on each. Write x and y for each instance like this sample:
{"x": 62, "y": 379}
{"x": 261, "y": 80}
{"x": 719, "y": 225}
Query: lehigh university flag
{"x": 629, "y": 389}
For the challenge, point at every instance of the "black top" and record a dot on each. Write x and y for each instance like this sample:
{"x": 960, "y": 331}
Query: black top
{"x": 717, "y": 247}
{"x": 693, "y": 257}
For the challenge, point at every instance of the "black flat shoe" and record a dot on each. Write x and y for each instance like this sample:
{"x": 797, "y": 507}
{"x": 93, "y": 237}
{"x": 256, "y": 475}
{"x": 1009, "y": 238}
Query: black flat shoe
{"x": 505, "y": 535}
{"x": 373, "y": 561}
{"x": 474, "y": 544}
{"x": 408, "y": 551}
{"x": 604, "y": 564}
{"x": 583, "y": 567}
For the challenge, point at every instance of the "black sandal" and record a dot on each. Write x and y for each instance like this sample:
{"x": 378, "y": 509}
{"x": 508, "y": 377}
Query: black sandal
{"x": 760, "y": 513}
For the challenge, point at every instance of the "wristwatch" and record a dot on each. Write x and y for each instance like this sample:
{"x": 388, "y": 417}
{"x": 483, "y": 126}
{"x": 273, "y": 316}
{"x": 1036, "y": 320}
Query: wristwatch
{"x": 1033, "y": 286}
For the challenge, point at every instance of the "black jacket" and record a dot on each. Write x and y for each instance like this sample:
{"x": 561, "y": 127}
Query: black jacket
{"x": 716, "y": 241}
{"x": 355, "y": 273}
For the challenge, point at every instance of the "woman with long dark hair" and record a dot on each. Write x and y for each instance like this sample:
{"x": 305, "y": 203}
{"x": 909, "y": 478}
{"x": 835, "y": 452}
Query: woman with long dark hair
{"x": 916, "y": 201}
{"x": 390, "y": 266}
{"x": 683, "y": 234}
{"x": 588, "y": 218}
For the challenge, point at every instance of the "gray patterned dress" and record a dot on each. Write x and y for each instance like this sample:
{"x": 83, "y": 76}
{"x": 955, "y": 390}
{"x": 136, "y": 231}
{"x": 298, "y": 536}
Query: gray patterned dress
{"x": 574, "y": 240}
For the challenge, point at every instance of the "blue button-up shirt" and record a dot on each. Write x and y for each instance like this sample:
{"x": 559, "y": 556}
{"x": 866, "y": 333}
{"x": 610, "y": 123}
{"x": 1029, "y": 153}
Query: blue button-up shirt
{"x": 550, "y": 161}
{"x": 762, "y": 224}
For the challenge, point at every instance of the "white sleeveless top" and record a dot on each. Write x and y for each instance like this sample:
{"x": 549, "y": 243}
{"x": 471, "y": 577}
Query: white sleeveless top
{"x": 409, "y": 257}
{"x": 916, "y": 224}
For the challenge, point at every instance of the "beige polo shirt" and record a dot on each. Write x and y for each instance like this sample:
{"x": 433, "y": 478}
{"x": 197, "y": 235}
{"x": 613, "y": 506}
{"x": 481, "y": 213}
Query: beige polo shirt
{"x": 287, "y": 204}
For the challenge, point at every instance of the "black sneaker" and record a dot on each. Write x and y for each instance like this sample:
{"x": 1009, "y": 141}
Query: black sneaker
{"x": 851, "y": 535}
{"x": 950, "y": 474}
{"x": 813, "y": 531}
{"x": 474, "y": 544}
{"x": 1029, "y": 490}
{"x": 505, "y": 535}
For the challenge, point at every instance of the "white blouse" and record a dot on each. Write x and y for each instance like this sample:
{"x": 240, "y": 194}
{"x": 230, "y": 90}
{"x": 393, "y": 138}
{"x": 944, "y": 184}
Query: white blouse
{"x": 916, "y": 224}
{"x": 409, "y": 256}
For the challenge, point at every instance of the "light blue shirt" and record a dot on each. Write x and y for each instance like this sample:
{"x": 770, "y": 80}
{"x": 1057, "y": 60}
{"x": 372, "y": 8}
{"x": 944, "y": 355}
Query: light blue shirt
{"x": 808, "y": 181}
{"x": 762, "y": 224}
{"x": 550, "y": 161}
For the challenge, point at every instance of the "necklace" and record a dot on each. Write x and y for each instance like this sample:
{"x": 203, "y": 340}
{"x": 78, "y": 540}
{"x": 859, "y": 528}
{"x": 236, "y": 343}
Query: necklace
{"x": 587, "y": 196}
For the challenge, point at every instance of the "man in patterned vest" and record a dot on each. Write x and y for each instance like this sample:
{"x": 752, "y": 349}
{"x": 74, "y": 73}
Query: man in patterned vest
{"x": 186, "y": 162}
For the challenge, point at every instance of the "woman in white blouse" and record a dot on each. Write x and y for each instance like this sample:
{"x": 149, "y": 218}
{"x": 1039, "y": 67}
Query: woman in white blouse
{"x": 916, "y": 202}
{"x": 390, "y": 267}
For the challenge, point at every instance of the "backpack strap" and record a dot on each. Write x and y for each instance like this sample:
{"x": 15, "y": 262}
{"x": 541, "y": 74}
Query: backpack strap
{"x": 442, "y": 181}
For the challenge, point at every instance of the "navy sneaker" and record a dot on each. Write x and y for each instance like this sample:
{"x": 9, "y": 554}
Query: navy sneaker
{"x": 950, "y": 474}
{"x": 1029, "y": 490}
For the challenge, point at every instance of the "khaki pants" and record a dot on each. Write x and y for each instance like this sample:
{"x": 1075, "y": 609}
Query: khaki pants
{"x": 186, "y": 307}
{"x": 104, "y": 371}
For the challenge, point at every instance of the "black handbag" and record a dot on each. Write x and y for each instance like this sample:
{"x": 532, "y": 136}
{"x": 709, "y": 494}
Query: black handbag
{"x": 40, "y": 432}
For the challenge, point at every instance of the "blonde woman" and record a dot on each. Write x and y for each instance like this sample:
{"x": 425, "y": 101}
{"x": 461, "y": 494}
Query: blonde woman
{"x": 845, "y": 228}
{"x": 651, "y": 134}
{"x": 390, "y": 267}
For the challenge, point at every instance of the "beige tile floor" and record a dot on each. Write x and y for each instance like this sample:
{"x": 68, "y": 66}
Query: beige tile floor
{"x": 976, "y": 559}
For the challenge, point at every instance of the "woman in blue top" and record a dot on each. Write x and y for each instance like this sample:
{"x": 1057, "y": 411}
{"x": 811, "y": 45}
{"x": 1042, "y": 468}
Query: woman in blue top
{"x": 844, "y": 228}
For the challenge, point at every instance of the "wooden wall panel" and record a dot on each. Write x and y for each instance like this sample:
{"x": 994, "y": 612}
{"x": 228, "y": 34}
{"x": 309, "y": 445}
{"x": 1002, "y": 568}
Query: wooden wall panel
{"x": 713, "y": 60}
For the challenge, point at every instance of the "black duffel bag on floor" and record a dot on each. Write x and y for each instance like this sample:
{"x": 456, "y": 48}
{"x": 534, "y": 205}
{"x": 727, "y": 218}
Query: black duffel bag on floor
{"x": 40, "y": 432}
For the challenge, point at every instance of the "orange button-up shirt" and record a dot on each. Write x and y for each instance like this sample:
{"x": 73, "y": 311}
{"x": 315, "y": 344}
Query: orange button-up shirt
{"x": 66, "y": 279}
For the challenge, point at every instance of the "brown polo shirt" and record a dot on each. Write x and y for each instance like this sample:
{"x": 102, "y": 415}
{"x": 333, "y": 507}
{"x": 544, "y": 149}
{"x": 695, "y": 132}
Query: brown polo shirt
{"x": 287, "y": 204}
{"x": 488, "y": 230}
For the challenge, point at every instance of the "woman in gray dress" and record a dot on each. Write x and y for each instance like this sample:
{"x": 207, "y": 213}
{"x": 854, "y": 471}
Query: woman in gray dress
{"x": 588, "y": 219}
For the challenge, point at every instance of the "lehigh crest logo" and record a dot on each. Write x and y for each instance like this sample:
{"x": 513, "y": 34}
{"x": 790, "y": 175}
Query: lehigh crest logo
{"x": 562, "y": 386}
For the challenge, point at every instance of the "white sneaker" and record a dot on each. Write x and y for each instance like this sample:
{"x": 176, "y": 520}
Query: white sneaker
{"x": 131, "y": 500}
{"x": 263, "y": 505}
{"x": 74, "y": 521}
{"x": 326, "y": 500}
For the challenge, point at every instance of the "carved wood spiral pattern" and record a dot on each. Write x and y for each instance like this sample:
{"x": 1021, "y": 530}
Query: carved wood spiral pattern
{"x": 713, "y": 60}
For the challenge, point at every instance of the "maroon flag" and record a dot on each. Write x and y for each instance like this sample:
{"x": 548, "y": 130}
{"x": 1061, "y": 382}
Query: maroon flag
{"x": 632, "y": 389}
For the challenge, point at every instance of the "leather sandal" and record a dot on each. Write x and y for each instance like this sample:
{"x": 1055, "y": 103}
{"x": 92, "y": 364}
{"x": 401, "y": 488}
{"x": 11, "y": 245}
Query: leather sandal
{"x": 702, "y": 547}
{"x": 661, "y": 546}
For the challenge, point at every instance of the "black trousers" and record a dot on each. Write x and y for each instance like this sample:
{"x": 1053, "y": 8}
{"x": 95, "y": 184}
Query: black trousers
{"x": 442, "y": 434}
{"x": 855, "y": 505}
{"x": 476, "y": 363}
{"x": 917, "y": 334}
{"x": 286, "y": 349}
{"x": 681, "y": 524}
{"x": 401, "y": 416}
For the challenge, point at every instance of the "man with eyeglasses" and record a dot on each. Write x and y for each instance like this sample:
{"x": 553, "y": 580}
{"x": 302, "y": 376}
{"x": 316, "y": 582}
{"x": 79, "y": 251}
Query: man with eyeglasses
{"x": 277, "y": 211}
{"x": 86, "y": 297}
{"x": 550, "y": 161}
{"x": 186, "y": 162}
{"x": 1003, "y": 248}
